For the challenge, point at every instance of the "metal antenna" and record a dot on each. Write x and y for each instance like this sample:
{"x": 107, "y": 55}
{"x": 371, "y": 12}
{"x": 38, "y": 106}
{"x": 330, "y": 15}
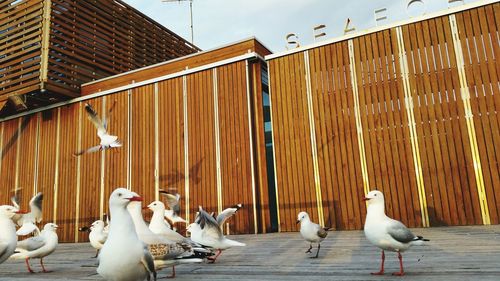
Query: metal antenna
{"x": 190, "y": 12}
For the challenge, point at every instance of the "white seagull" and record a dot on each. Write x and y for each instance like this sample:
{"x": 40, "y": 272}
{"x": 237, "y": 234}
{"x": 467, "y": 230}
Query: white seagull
{"x": 27, "y": 221}
{"x": 158, "y": 224}
{"x": 107, "y": 140}
{"x": 38, "y": 247}
{"x": 165, "y": 252}
{"x": 207, "y": 232}
{"x": 98, "y": 235}
{"x": 8, "y": 237}
{"x": 311, "y": 232}
{"x": 386, "y": 233}
{"x": 124, "y": 257}
{"x": 173, "y": 203}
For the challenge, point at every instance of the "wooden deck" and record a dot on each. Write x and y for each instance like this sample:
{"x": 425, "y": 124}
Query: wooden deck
{"x": 454, "y": 253}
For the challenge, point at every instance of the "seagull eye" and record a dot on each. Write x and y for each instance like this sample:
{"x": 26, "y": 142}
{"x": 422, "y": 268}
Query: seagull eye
{"x": 119, "y": 195}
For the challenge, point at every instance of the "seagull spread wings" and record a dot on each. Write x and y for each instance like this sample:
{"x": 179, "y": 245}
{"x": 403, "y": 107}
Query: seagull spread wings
{"x": 227, "y": 213}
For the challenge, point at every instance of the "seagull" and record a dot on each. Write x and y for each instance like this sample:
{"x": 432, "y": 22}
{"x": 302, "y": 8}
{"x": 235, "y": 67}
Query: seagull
{"x": 226, "y": 214}
{"x": 38, "y": 247}
{"x": 158, "y": 224}
{"x": 97, "y": 235}
{"x": 207, "y": 232}
{"x": 164, "y": 251}
{"x": 27, "y": 221}
{"x": 107, "y": 140}
{"x": 124, "y": 257}
{"x": 311, "y": 232}
{"x": 173, "y": 203}
{"x": 8, "y": 237}
{"x": 386, "y": 233}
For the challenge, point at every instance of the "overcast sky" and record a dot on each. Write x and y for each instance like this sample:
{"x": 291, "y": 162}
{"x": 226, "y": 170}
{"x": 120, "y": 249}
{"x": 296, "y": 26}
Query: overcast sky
{"x": 219, "y": 22}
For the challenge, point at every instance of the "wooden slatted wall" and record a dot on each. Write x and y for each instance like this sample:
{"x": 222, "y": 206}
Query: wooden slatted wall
{"x": 479, "y": 39}
{"x": 292, "y": 141}
{"x": 337, "y": 146}
{"x": 20, "y": 46}
{"x": 95, "y": 39}
{"x": 77, "y": 189}
{"x": 411, "y": 110}
{"x": 48, "y": 48}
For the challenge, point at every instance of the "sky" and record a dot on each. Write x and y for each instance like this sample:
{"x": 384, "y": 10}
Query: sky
{"x": 220, "y": 22}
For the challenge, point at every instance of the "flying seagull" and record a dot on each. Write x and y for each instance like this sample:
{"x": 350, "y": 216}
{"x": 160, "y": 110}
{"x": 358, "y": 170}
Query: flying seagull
{"x": 107, "y": 140}
{"x": 27, "y": 221}
{"x": 386, "y": 233}
{"x": 311, "y": 232}
{"x": 173, "y": 203}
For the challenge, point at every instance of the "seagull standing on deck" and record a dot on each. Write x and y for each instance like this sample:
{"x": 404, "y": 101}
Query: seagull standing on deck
{"x": 386, "y": 233}
{"x": 311, "y": 232}
{"x": 38, "y": 247}
{"x": 97, "y": 236}
{"x": 8, "y": 237}
{"x": 107, "y": 140}
{"x": 124, "y": 257}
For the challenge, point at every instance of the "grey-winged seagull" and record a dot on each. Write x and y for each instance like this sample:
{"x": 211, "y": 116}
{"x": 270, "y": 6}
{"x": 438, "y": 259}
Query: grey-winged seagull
{"x": 386, "y": 233}
{"x": 124, "y": 257}
{"x": 173, "y": 203}
{"x": 311, "y": 232}
{"x": 107, "y": 140}
{"x": 207, "y": 232}
{"x": 27, "y": 221}
{"x": 165, "y": 252}
{"x": 38, "y": 247}
{"x": 8, "y": 237}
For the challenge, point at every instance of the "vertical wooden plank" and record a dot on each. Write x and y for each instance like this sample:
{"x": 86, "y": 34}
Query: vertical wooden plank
{"x": 68, "y": 174}
{"x": 203, "y": 191}
{"x": 143, "y": 164}
{"x": 116, "y": 159}
{"x": 9, "y": 152}
{"x": 90, "y": 167}
{"x": 47, "y": 151}
{"x": 171, "y": 138}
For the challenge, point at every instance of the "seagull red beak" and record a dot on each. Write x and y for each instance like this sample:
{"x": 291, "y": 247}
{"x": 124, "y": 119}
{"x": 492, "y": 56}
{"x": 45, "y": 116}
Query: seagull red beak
{"x": 135, "y": 198}
{"x": 365, "y": 199}
{"x": 21, "y": 212}
{"x": 145, "y": 208}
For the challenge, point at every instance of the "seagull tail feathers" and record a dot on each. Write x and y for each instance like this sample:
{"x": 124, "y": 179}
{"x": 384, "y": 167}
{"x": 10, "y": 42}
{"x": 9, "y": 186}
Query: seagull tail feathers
{"x": 419, "y": 240}
{"x": 233, "y": 243}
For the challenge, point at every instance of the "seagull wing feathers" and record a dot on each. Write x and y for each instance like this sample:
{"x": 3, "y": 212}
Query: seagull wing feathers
{"x": 399, "y": 232}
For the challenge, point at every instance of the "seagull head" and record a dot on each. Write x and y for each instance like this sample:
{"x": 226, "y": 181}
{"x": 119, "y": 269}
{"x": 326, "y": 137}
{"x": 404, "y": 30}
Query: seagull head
{"x": 302, "y": 216}
{"x": 374, "y": 196}
{"x": 122, "y": 197}
{"x": 193, "y": 228}
{"x": 157, "y": 206}
{"x": 98, "y": 224}
{"x": 9, "y": 211}
{"x": 50, "y": 226}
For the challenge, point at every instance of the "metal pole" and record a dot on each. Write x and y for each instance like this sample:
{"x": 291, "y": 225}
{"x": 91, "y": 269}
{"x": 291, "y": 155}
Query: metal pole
{"x": 191, "y": 12}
